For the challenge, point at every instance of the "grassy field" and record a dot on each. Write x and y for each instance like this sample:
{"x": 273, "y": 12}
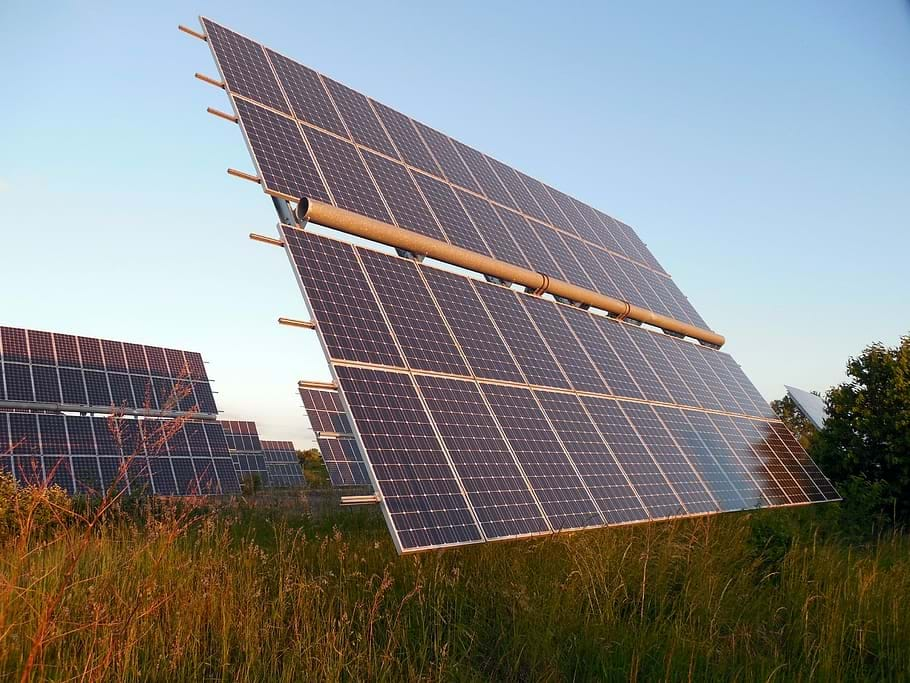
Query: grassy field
{"x": 293, "y": 588}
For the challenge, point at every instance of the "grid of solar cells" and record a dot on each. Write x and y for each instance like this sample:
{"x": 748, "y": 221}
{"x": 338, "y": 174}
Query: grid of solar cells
{"x": 339, "y": 451}
{"x": 620, "y": 338}
{"x": 570, "y": 355}
{"x": 346, "y": 175}
{"x": 281, "y": 153}
{"x": 599, "y": 470}
{"x": 668, "y": 456}
{"x": 421, "y": 495}
{"x": 48, "y": 368}
{"x": 786, "y": 470}
{"x": 645, "y": 475}
{"x": 90, "y": 455}
{"x": 822, "y": 483}
{"x": 408, "y": 207}
{"x": 416, "y": 321}
{"x": 282, "y": 464}
{"x": 350, "y": 321}
{"x": 455, "y": 222}
{"x": 536, "y": 254}
{"x": 501, "y": 242}
{"x": 317, "y": 102}
{"x": 527, "y": 346}
{"x": 245, "y": 449}
{"x": 495, "y": 486}
{"x": 476, "y": 334}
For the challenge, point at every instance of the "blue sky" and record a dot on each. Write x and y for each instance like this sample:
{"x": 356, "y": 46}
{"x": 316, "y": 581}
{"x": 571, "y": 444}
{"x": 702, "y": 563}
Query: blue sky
{"x": 762, "y": 150}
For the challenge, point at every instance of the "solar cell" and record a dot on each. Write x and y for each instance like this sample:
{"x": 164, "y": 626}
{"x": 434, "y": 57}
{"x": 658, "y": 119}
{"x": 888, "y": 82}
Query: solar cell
{"x": 416, "y": 321}
{"x": 360, "y": 118}
{"x": 340, "y": 298}
{"x": 821, "y": 482}
{"x": 520, "y": 194}
{"x": 346, "y": 175}
{"x": 598, "y": 469}
{"x": 652, "y": 349}
{"x": 526, "y": 238}
{"x": 66, "y": 350}
{"x": 527, "y": 346}
{"x": 41, "y": 347}
{"x": 480, "y": 341}
{"x": 548, "y": 207}
{"x": 494, "y": 484}
{"x": 15, "y": 344}
{"x": 565, "y": 500}
{"x": 18, "y": 382}
{"x": 425, "y": 504}
{"x": 619, "y": 337}
{"x": 402, "y": 196}
{"x": 244, "y": 66}
{"x": 755, "y": 464}
{"x": 568, "y": 264}
{"x": 87, "y": 476}
{"x": 281, "y": 153}
{"x": 47, "y": 385}
{"x": 309, "y": 99}
{"x": 58, "y": 472}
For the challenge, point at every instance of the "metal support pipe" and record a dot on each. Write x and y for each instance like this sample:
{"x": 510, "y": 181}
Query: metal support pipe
{"x": 292, "y": 322}
{"x": 266, "y": 240}
{"x": 209, "y": 80}
{"x": 312, "y": 384}
{"x": 102, "y": 410}
{"x": 371, "y": 229}
{"x": 191, "y": 32}
{"x": 359, "y": 500}
{"x": 221, "y": 115}
{"x": 245, "y": 176}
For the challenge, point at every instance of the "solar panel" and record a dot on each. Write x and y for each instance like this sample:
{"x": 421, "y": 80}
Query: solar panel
{"x": 270, "y": 114}
{"x": 245, "y": 448}
{"x": 87, "y": 455}
{"x": 810, "y": 405}
{"x": 335, "y": 437}
{"x": 61, "y": 372}
{"x": 586, "y": 458}
{"x": 282, "y": 464}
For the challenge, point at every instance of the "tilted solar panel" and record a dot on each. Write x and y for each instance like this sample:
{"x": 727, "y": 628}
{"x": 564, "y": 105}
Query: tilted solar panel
{"x": 335, "y": 437}
{"x": 533, "y": 416}
{"x": 63, "y": 372}
{"x": 282, "y": 464}
{"x": 312, "y": 136}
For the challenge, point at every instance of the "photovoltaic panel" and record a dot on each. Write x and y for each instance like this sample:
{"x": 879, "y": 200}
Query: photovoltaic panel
{"x": 523, "y": 199}
{"x": 451, "y": 216}
{"x": 528, "y": 347}
{"x": 620, "y": 338}
{"x": 309, "y": 99}
{"x": 486, "y": 468}
{"x": 408, "y": 207}
{"x": 672, "y": 461}
{"x": 500, "y": 241}
{"x": 532, "y": 248}
{"x": 282, "y": 464}
{"x": 822, "y": 483}
{"x": 767, "y": 436}
{"x": 408, "y": 142}
{"x": 651, "y": 349}
{"x": 568, "y": 264}
{"x": 346, "y": 175}
{"x": 552, "y": 475}
{"x": 645, "y": 475}
{"x": 350, "y": 320}
{"x": 412, "y": 312}
{"x": 598, "y": 469}
{"x": 571, "y": 356}
{"x": 483, "y": 173}
{"x": 360, "y": 118}
{"x": 480, "y": 341}
{"x": 423, "y": 500}
{"x": 447, "y": 158}
{"x": 757, "y": 464}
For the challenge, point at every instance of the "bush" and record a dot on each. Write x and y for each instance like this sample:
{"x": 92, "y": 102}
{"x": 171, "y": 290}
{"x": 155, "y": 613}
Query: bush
{"x": 27, "y": 510}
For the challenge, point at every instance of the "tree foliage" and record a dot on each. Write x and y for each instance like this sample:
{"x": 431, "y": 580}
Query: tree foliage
{"x": 867, "y": 433}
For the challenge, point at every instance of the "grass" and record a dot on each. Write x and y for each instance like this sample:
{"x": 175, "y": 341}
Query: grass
{"x": 270, "y": 591}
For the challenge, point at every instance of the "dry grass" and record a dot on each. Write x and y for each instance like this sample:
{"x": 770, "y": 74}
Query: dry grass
{"x": 181, "y": 592}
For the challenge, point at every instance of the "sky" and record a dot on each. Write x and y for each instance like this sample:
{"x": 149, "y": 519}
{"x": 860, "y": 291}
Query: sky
{"x": 762, "y": 150}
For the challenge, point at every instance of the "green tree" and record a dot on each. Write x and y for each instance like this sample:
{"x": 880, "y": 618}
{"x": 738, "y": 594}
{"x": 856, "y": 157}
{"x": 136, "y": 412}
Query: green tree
{"x": 867, "y": 433}
{"x": 790, "y": 414}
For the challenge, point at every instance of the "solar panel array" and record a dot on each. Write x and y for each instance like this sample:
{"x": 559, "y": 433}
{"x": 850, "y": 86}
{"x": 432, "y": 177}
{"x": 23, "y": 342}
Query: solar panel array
{"x": 92, "y": 455}
{"x": 335, "y": 437}
{"x": 67, "y": 372}
{"x": 245, "y": 448}
{"x": 487, "y": 413}
{"x": 313, "y": 137}
{"x": 282, "y": 464}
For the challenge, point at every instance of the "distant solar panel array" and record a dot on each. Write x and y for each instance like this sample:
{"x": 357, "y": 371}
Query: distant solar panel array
{"x": 46, "y": 376}
{"x": 335, "y": 437}
{"x": 254, "y": 457}
{"x": 313, "y": 137}
{"x": 63, "y": 371}
{"x": 479, "y": 412}
{"x": 282, "y": 464}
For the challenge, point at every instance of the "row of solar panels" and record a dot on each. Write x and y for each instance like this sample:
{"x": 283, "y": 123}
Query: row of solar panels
{"x": 274, "y": 463}
{"x": 401, "y": 172}
{"x": 88, "y": 455}
{"x": 50, "y": 348}
{"x": 384, "y": 310}
{"x": 75, "y": 388}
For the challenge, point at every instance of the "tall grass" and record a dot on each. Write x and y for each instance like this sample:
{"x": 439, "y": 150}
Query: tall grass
{"x": 181, "y": 592}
